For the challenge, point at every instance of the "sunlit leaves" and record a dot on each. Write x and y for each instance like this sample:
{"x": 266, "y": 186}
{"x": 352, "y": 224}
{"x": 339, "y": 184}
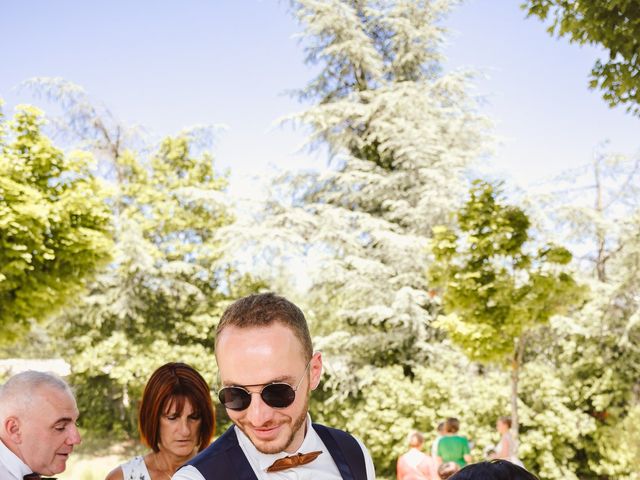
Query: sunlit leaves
{"x": 55, "y": 225}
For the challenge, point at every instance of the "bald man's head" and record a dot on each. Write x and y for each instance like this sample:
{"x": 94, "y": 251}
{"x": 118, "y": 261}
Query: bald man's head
{"x": 38, "y": 417}
{"x": 17, "y": 394}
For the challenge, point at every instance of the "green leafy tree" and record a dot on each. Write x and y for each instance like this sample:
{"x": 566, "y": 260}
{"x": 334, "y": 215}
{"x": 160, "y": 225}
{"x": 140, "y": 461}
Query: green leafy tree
{"x": 160, "y": 297}
{"x": 55, "y": 227}
{"x": 495, "y": 291}
{"x": 611, "y": 24}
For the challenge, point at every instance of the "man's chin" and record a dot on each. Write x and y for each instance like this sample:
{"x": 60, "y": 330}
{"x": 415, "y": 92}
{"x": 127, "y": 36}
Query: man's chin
{"x": 276, "y": 445}
{"x": 59, "y": 465}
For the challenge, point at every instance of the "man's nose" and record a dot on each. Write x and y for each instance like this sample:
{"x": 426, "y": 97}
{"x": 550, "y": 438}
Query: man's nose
{"x": 74, "y": 436}
{"x": 258, "y": 412}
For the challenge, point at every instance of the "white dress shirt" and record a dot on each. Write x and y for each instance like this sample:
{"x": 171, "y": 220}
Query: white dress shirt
{"x": 11, "y": 467}
{"x": 322, "y": 468}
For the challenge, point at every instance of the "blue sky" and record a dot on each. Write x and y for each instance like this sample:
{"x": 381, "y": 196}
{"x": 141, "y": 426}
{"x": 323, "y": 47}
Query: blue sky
{"x": 167, "y": 65}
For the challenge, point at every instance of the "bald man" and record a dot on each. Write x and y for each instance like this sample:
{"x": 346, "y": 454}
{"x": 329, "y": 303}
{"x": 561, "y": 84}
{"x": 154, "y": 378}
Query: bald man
{"x": 38, "y": 431}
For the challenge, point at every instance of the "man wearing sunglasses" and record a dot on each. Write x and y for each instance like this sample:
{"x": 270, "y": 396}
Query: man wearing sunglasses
{"x": 267, "y": 370}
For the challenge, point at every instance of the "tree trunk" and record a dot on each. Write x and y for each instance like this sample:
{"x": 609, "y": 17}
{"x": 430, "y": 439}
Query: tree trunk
{"x": 600, "y": 235}
{"x": 516, "y": 364}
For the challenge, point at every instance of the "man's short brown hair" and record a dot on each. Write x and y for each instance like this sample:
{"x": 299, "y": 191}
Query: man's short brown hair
{"x": 169, "y": 386}
{"x": 263, "y": 310}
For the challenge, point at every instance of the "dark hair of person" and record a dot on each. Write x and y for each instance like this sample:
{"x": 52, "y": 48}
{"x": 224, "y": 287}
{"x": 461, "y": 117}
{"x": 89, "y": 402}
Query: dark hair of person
{"x": 493, "y": 470}
{"x": 263, "y": 310}
{"x": 506, "y": 421}
{"x": 169, "y": 386}
{"x": 451, "y": 425}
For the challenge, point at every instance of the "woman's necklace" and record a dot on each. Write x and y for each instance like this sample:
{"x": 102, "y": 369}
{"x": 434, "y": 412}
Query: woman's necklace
{"x": 164, "y": 472}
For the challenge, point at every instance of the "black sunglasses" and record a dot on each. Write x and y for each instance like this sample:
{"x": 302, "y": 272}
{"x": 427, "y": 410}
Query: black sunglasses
{"x": 276, "y": 395}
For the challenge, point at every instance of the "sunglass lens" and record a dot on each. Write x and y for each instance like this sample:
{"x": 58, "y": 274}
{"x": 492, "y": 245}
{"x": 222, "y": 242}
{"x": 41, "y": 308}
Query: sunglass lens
{"x": 278, "y": 395}
{"x": 234, "y": 398}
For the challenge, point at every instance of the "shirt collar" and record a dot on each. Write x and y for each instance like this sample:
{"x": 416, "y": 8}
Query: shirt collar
{"x": 12, "y": 462}
{"x": 265, "y": 460}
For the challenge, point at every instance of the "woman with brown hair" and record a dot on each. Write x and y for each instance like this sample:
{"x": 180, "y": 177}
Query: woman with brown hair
{"x": 176, "y": 420}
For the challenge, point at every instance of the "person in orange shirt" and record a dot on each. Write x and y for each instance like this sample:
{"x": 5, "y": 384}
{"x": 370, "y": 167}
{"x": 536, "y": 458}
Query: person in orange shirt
{"x": 415, "y": 464}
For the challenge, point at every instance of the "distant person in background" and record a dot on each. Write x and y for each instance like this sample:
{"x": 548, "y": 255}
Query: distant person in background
{"x": 38, "y": 431}
{"x": 447, "y": 469}
{"x": 507, "y": 449}
{"x": 176, "y": 421}
{"x": 493, "y": 470}
{"x": 415, "y": 464}
{"x": 453, "y": 447}
{"x": 439, "y": 435}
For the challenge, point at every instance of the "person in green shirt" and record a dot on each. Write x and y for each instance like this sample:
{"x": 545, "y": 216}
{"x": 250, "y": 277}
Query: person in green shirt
{"x": 453, "y": 447}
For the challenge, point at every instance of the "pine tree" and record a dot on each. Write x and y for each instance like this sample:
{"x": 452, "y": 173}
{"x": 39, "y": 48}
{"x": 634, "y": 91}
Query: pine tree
{"x": 402, "y": 134}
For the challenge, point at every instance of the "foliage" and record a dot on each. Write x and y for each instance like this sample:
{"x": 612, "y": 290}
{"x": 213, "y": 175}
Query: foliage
{"x": 55, "y": 227}
{"x": 594, "y": 352}
{"x": 611, "y": 24}
{"x": 401, "y": 133}
{"x": 390, "y": 404}
{"x": 552, "y": 429}
{"x": 160, "y": 298}
{"x": 597, "y": 359}
{"x": 590, "y": 206}
{"x": 494, "y": 291}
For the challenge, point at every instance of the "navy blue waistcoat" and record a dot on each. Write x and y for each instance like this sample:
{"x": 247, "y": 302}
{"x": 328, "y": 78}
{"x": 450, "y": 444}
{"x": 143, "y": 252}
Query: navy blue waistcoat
{"x": 225, "y": 460}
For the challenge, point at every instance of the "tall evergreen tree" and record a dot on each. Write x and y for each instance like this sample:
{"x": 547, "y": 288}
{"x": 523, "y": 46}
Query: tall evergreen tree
{"x": 402, "y": 133}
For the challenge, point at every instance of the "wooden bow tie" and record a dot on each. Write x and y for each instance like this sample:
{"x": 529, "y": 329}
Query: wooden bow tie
{"x": 293, "y": 461}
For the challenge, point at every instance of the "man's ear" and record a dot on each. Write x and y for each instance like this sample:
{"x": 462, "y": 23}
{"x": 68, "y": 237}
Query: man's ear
{"x": 11, "y": 427}
{"x": 316, "y": 370}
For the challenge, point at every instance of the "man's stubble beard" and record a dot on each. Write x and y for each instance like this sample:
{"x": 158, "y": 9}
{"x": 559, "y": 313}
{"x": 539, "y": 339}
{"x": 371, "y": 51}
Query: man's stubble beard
{"x": 297, "y": 424}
